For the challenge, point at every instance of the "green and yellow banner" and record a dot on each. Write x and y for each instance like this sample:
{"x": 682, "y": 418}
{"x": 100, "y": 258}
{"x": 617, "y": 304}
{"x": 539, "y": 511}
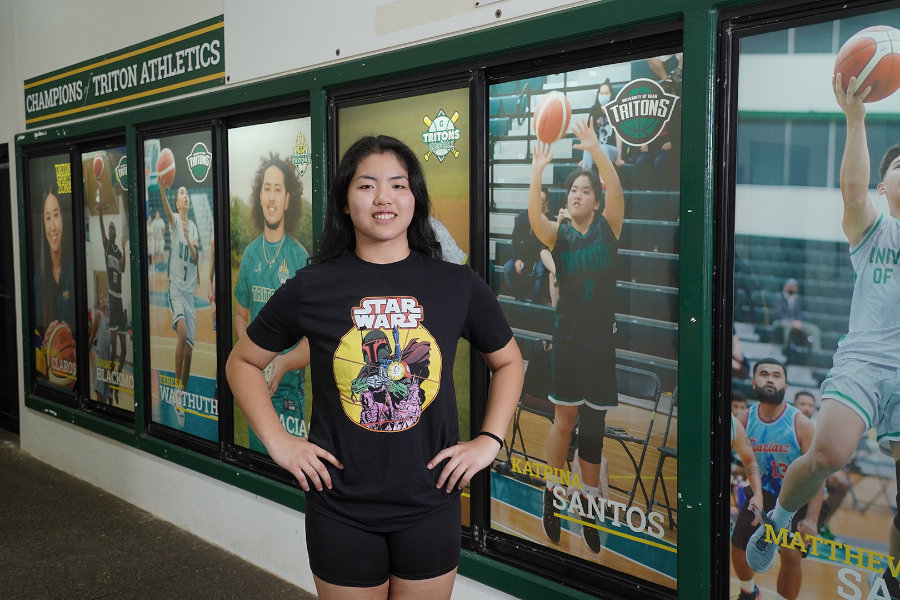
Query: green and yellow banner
{"x": 179, "y": 62}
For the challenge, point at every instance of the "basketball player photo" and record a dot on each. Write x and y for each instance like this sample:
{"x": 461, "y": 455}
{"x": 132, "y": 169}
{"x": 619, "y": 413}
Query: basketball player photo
{"x": 179, "y": 184}
{"x": 108, "y": 255}
{"x": 823, "y": 420}
{"x": 577, "y": 280}
{"x": 53, "y": 270}
{"x": 269, "y": 180}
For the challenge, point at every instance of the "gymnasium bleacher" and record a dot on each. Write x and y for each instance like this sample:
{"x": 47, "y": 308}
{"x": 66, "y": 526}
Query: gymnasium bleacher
{"x": 825, "y": 280}
{"x": 647, "y": 287}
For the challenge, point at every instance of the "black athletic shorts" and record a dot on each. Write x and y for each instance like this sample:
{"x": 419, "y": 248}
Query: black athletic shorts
{"x": 743, "y": 528}
{"x": 116, "y": 315}
{"x": 584, "y": 372}
{"x": 346, "y": 555}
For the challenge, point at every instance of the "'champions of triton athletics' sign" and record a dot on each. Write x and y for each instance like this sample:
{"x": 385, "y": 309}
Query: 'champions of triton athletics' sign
{"x": 182, "y": 61}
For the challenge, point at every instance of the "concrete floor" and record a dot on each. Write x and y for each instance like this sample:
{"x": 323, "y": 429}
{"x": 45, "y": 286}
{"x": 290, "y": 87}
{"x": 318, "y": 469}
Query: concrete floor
{"x": 63, "y": 538}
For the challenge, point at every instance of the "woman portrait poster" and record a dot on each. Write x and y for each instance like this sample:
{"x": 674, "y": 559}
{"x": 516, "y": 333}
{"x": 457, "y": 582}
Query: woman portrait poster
{"x": 50, "y": 195}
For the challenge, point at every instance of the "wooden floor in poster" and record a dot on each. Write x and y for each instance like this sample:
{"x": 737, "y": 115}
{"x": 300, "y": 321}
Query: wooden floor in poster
{"x": 636, "y": 420}
{"x": 862, "y": 522}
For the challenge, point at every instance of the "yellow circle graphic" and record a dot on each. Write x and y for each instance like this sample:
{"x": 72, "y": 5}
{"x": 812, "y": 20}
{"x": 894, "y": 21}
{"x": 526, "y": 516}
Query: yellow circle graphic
{"x": 387, "y": 377}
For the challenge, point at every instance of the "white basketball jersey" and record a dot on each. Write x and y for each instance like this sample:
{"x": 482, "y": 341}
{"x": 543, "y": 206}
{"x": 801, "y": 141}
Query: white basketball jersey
{"x": 875, "y": 311}
{"x": 182, "y": 270}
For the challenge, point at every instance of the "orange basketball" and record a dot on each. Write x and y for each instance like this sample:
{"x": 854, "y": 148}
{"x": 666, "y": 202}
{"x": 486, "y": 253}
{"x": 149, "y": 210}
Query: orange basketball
{"x": 165, "y": 167}
{"x": 873, "y": 57}
{"x": 551, "y": 117}
{"x": 61, "y": 360}
{"x": 98, "y": 166}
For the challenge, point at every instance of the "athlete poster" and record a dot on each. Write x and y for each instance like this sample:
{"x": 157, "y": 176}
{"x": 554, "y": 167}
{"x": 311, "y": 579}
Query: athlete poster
{"x": 816, "y": 318}
{"x": 178, "y": 180}
{"x": 436, "y": 126}
{"x": 584, "y": 209}
{"x": 107, "y": 255}
{"x": 53, "y": 271}
{"x": 271, "y": 238}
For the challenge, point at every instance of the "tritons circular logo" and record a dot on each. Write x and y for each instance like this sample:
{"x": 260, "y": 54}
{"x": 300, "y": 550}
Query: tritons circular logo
{"x": 300, "y": 155}
{"x": 199, "y": 160}
{"x": 441, "y": 136}
{"x": 640, "y": 111}
{"x": 122, "y": 172}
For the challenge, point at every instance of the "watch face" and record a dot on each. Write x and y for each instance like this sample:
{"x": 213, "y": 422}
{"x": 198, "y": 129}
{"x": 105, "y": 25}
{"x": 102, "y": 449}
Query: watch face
{"x": 396, "y": 370}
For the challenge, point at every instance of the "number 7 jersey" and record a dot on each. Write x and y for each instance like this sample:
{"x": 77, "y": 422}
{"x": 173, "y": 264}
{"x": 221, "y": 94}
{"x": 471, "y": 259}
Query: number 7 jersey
{"x": 182, "y": 270}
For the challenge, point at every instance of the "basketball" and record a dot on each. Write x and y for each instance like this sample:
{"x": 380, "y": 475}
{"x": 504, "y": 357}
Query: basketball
{"x": 551, "y": 117}
{"x": 165, "y": 167}
{"x": 873, "y": 57}
{"x": 60, "y": 348}
{"x": 98, "y": 166}
{"x": 40, "y": 359}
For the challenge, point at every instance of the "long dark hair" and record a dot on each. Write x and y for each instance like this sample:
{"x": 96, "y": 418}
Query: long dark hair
{"x": 339, "y": 236}
{"x": 47, "y": 281}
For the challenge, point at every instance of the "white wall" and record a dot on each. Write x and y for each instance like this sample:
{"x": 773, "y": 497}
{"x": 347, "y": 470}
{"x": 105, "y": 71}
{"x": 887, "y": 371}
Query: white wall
{"x": 290, "y": 35}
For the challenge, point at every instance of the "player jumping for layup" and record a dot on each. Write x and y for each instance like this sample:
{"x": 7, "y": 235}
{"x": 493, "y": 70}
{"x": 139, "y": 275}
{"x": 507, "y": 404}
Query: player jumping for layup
{"x": 862, "y": 390}
{"x": 183, "y": 276}
{"x": 115, "y": 266}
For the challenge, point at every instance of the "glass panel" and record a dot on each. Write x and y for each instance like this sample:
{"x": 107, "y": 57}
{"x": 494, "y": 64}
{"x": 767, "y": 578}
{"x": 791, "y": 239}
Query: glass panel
{"x": 179, "y": 192}
{"x": 271, "y": 234}
{"x": 587, "y": 274}
{"x": 816, "y": 331}
{"x": 808, "y": 154}
{"x": 814, "y": 38}
{"x": 761, "y": 152}
{"x": 766, "y": 43}
{"x": 850, "y": 25}
{"x": 108, "y": 256}
{"x": 53, "y": 260}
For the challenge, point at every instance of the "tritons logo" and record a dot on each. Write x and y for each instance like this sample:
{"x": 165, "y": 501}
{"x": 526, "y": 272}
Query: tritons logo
{"x": 640, "y": 111}
{"x": 283, "y": 272}
{"x": 300, "y": 155}
{"x": 122, "y": 172}
{"x": 441, "y": 136}
{"x": 199, "y": 161}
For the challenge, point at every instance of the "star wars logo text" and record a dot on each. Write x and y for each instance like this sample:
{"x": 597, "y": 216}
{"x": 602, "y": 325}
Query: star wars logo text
{"x": 386, "y": 313}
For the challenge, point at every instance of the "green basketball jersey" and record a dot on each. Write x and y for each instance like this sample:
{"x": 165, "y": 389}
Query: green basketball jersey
{"x": 264, "y": 268}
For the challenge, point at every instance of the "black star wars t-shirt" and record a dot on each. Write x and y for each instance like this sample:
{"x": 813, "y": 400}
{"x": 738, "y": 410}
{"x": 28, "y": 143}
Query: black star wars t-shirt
{"x": 382, "y": 340}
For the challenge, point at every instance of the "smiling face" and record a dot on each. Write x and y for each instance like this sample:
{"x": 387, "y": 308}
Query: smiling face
{"x": 273, "y": 198}
{"x": 582, "y": 200}
{"x": 380, "y": 204}
{"x": 53, "y": 224}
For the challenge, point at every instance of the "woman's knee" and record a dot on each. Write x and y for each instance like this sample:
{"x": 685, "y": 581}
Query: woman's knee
{"x": 565, "y": 417}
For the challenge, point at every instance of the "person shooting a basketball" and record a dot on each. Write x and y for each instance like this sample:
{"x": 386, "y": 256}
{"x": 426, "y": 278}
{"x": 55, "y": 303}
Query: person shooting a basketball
{"x": 862, "y": 389}
{"x": 115, "y": 265}
{"x": 183, "y": 278}
{"x": 584, "y": 244}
